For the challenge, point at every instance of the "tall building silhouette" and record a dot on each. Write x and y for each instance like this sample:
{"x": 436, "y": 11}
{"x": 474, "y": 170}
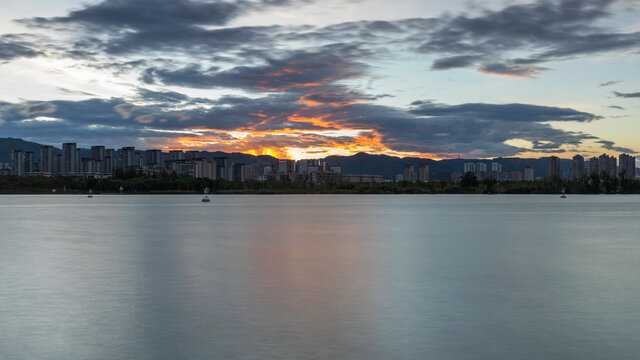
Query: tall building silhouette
{"x": 627, "y": 165}
{"x": 554, "y": 166}
{"x": 423, "y": 172}
{"x": 528, "y": 173}
{"x": 577, "y": 167}
{"x": 69, "y": 158}
{"x": 408, "y": 172}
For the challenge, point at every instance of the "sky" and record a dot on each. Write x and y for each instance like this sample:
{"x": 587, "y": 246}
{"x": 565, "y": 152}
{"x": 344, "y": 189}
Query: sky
{"x": 307, "y": 79}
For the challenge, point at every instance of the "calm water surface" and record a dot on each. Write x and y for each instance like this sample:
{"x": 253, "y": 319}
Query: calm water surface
{"x": 320, "y": 277}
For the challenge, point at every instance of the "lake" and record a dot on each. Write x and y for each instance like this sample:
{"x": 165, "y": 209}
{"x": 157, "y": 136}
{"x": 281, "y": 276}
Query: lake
{"x": 320, "y": 277}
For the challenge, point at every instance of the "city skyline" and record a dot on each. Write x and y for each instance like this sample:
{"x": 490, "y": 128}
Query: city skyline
{"x": 304, "y": 79}
{"x": 100, "y": 162}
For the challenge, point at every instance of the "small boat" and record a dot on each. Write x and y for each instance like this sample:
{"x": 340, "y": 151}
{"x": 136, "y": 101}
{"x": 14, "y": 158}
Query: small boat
{"x": 206, "y": 198}
{"x": 90, "y": 193}
{"x": 564, "y": 195}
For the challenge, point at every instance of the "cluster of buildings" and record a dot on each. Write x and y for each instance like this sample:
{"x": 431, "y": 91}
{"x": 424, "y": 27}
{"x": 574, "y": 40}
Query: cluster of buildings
{"x": 410, "y": 174}
{"x": 624, "y": 167}
{"x": 101, "y": 162}
{"x": 481, "y": 171}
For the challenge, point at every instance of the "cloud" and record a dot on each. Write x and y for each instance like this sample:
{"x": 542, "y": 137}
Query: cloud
{"x": 608, "y": 83}
{"x": 615, "y": 107}
{"x": 627, "y": 95}
{"x": 299, "y": 70}
{"x": 504, "y": 112}
{"x": 145, "y": 119}
{"x": 125, "y": 110}
{"x": 511, "y": 70}
{"x": 37, "y": 108}
{"x": 282, "y": 120}
{"x": 171, "y": 97}
{"x": 610, "y": 145}
{"x": 147, "y": 14}
{"x": 546, "y": 30}
{"x": 455, "y": 62}
{"x": 11, "y": 48}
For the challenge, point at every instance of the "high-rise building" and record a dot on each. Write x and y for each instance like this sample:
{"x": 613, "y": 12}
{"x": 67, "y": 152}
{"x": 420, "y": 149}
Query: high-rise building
{"x": 28, "y": 162}
{"x": 238, "y": 172}
{"x": 607, "y": 164}
{"x": 554, "y": 167}
{"x": 175, "y": 155}
{"x": 128, "y": 158}
{"x": 481, "y": 170}
{"x": 248, "y": 172}
{"x": 192, "y": 154}
{"x": 577, "y": 167}
{"x": 423, "y": 172}
{"x": 58, "y": 164}
{"x": 496, "y": 170}
{"x": 109, "y": 161}
{"x": 46, "y": 159}
{"x": 515, "y": 175}
{"x": 222, "y": 167}
{"x": 287, "y": 167}
{"x": 408, "y": 172}
{"x": 69, "y": 158}
{"x": 613, "y": 167}
{"x": 98, "y": 154}
{"x": 78, "y": 160}
{"x": 155, "y": 159}
{"x": 603, "y": 164}
{"x": 469, "y": 167}
{"x": 17, "y": 162}
{"x": 528, "y": 173}
{"x": 303, "y": 166}
{"x": 593, "y": 166}
{"x": 87, "y": 166}
{"x": 205, "y": 169}
{"x": 627, "y": 165}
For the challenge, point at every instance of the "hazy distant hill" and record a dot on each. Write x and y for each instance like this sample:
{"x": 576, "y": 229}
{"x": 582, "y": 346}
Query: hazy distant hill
{"x": 7, "y": 145}
{"x": 361, "y": 163}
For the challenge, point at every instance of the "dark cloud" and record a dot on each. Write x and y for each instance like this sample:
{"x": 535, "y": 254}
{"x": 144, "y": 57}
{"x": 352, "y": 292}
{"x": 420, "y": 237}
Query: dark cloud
{"x": 147, "y": 14}
{"x": 455, "y": 62}
{"x": 610, "y": 145}
{"x": 615, "y": 107}
{"x": 540, "y": 31}
{"x": 299, "y": 70}
{"x": 12, "y": 49}
{"x": 162, "y": 25}
{"x": 548, "y": 30}
{"x": 162, "y": 96}
{"x": 33, "y": 108}
{"x": 608, "y": 83}
{"x": 478, "y": 129}
{"x": 506, "y": 112}
{"x": 627, "y": 95}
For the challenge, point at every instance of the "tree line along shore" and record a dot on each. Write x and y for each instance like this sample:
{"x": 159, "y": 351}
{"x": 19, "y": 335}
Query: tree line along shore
{"x": 172, "y": 184}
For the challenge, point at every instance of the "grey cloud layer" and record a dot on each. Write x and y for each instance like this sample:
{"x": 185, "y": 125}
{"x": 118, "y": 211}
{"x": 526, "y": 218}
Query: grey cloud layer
{"x": 627, "y": 95}
{"x": 481, "y": 129}
{"x": 288, "y": 66}
{"x": 12, "y": 47}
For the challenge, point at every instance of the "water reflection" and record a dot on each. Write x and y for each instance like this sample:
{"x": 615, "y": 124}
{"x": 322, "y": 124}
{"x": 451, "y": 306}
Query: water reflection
{"x": 319, "y": 277}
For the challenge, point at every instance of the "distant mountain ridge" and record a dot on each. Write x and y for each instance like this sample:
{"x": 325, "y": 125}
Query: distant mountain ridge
{"x": 360, "y": 163}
